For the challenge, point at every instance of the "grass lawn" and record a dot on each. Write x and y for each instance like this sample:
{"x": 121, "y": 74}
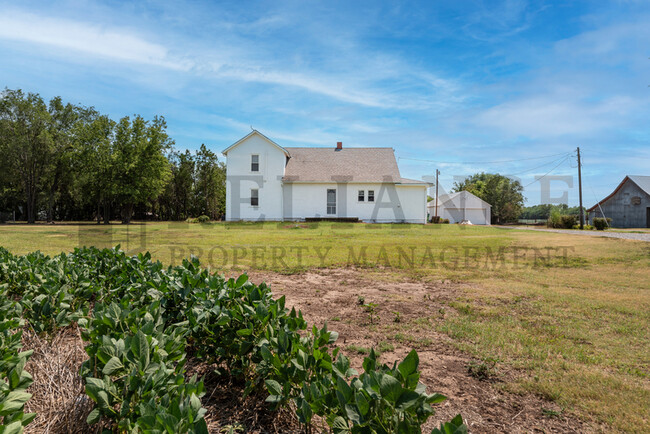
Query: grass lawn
{"x": 570, "y": 313}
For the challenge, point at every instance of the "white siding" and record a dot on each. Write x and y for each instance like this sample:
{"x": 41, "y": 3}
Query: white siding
{"x": 407, "y": 203}
{"x": 268, "y": 180}
{"x": 462, "y": 206}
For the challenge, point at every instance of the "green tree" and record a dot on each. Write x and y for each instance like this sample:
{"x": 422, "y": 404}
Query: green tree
{"x": 94, "y": 158}
{"x": 210, "y": 191}
{"x": 26, "y": 142}
{"x": 504, "y": 194}
{"x": 177, "y": 201}
{"x": 63, "y": 120}
{"x": 140, "y": 167}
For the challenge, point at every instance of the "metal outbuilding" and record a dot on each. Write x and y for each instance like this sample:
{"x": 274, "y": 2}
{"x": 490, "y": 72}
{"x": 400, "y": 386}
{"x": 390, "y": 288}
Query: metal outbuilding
{"x": 628, "y": 206}
{"x": 462, "y": 206}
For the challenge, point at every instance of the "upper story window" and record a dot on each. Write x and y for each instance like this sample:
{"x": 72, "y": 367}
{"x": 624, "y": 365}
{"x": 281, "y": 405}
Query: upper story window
{"x": 361, "y": 196}
{"x": 255, "y": 197}
{"x": 371, "y": 195}
{"x": 255, "y": 163}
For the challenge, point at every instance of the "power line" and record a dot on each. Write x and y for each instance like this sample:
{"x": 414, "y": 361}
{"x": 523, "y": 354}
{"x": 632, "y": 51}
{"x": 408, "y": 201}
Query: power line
{"x": 537, "y": 167}
{"x": 547, "y": 173}
{"x": 484, "y": 162}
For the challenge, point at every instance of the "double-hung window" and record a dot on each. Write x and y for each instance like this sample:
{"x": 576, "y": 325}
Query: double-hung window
{"x": 361, "y": 196}
{"x": 255, "y": 197}
{"x": 255, "y": 163}
{"x": 371, "y": 195}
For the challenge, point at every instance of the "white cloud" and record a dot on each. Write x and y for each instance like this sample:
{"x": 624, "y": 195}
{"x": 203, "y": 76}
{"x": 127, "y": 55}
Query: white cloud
{"x": 361, "y": 82}
{"x": 551, "y": 116}
{"x": 111, "y": 43}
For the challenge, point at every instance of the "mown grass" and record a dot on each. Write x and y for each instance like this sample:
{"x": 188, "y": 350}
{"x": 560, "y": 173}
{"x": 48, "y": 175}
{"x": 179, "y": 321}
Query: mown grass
{"x": 570, "y": 314}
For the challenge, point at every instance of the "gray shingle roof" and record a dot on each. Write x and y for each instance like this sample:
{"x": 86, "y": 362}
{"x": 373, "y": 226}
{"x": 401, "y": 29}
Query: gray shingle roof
{"x": 347, "y": 164}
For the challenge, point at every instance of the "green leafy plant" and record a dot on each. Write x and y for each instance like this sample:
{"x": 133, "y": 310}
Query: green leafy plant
{"x": 140, "y": 319}
{"x": 371, "y": 309}
{"x": 15, "y": 380}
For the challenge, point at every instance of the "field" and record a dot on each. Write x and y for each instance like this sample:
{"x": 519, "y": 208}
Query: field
{"x": 521, "y": 330}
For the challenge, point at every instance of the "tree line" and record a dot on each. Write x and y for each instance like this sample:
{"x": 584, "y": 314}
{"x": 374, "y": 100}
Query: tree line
{"x": 544, "y": 211}
{"x": 60, "y": 161}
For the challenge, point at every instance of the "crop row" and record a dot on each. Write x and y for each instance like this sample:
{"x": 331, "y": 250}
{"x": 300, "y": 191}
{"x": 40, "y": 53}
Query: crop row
{"x": 140, "y": 320}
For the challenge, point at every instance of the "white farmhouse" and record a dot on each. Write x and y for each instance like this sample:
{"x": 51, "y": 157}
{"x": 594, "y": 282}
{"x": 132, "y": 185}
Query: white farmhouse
{"x": 265, "y": 181}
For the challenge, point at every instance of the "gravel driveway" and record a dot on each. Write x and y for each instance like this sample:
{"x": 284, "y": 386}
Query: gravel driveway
{"x": 623, "y": 235}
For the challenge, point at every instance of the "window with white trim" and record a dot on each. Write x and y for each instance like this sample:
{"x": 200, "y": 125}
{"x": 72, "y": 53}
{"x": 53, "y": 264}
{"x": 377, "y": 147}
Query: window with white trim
{"x": 361, "y": 196}
{"x": 371, "y": 195}
{"x": 255, "y": 198}
{"x": 255, "y": 163}
{"x": 331, "y": 201}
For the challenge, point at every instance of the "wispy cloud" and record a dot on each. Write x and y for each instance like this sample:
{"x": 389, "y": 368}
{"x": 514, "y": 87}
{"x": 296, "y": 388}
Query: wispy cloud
{"x": 96, "y": 40}
{"x": 543, "y": 117}
{"x": 364, "y": 87}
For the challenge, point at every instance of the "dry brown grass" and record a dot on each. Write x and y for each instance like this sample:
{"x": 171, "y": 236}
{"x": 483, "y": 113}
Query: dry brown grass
{"x": 58, "y": 396}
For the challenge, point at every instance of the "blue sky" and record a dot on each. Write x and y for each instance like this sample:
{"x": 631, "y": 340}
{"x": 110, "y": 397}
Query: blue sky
{"x": 466, "y": 86}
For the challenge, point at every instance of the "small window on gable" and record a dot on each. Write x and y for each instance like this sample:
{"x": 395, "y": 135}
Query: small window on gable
{"x": 361, "y": 196}
{"x": 255, "y": 198}
{"x": 255, "y": 163}
{"x": 371, "y": 195}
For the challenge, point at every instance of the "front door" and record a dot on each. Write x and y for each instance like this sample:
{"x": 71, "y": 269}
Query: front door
{"x": 331, "y": 201}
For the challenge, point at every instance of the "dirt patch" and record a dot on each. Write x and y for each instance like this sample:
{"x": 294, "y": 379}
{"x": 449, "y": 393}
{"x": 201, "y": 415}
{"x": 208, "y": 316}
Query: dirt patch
{"x": 228, "y": 412}
{"x": 404, "y": 316}
{"x": 58, "y": 396}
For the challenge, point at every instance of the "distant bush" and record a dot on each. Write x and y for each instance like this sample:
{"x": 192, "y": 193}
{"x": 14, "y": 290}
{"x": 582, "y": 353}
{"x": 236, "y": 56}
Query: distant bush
{"x": 199, "y": 219}
{"x": 439, "y": 220}
{"x": 601, "y": 223}
{"x": 568, "y": 221}
{"x": 554, "y": 220}
{"x": 560, "y": 221}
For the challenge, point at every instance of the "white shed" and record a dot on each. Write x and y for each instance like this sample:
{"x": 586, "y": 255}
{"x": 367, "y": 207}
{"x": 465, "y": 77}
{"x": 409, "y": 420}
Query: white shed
{"x": 462, "y": 206}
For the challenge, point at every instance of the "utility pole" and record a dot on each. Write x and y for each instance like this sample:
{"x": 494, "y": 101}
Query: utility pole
{"x": 582, "y": 217}
{"x": 437, "y": 173}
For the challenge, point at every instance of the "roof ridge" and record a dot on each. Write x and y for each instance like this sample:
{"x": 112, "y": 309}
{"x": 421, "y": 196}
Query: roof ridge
{"x": 349, "y": 147}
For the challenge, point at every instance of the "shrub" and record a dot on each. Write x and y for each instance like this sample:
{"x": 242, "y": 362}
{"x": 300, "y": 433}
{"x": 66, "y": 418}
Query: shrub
{"x": 444, "y": 221}
{"x": 560, "y": 221}
{"x": 554, "y": 220}
{"x": 601, "y": 223}
{"x": 568, "y": 221}
{"x": 203, "y": 219}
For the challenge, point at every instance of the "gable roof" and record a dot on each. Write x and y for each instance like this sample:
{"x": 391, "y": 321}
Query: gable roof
{"x": 347, "y": 164}
{"x": 455, "y": 199}
{"x": 252, "y": 133}
{"x": 643, "y": 182}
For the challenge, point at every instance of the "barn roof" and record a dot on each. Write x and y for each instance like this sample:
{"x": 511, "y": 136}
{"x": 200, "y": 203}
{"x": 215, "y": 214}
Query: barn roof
{"x": 344, "y": 165}
{"x": 643, "y": 182}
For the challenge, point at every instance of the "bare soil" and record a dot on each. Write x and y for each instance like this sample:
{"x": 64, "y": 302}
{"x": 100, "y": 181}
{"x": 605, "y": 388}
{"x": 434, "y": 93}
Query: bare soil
{"x": 332, "y": 296}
